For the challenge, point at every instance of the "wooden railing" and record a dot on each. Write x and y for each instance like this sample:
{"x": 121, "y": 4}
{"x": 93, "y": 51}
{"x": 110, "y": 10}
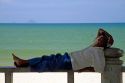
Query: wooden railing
{"x": 112, "y": 74}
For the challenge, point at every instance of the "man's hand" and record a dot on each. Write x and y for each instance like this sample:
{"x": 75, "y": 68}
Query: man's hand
{"x": 87, "y": 69}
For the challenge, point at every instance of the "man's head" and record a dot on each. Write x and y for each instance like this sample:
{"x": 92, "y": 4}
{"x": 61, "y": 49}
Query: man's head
{"x": 108, "y": 39}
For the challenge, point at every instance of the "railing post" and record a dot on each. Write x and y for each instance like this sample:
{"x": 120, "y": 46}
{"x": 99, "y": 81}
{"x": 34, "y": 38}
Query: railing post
{"x": 112, "y": 72}
{"x": 70, "y": 77}
{"x": 8, "y": 77}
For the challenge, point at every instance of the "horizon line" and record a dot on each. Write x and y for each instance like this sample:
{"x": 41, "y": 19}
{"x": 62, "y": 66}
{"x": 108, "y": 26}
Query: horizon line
{"x": 63, "y": 23}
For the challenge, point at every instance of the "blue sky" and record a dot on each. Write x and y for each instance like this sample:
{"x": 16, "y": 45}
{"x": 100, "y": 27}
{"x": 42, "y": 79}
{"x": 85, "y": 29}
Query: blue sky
{"x": 62, "y": 11}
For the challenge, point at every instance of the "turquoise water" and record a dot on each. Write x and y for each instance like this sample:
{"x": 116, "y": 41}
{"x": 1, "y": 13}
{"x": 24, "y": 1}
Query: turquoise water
{"x": 32, "y": 40}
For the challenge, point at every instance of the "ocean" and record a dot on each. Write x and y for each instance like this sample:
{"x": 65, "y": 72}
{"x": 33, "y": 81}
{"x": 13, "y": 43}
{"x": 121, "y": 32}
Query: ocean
{"x": 35, "y": 40}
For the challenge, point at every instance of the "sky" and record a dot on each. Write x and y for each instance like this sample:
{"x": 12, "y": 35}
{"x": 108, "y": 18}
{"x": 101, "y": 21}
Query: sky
{"x": 62, "y": 11}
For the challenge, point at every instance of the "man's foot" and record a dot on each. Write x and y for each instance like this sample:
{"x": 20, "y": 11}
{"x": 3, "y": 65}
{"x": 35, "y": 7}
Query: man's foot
{"x": 19, "y": 62}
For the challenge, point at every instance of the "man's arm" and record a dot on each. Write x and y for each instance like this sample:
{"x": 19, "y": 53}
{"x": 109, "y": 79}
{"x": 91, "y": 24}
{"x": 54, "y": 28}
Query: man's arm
{"x": 87, "y": 69}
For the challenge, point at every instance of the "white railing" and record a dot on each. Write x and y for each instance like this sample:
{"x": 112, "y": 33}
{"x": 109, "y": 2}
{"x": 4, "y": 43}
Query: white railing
{"x": 112, "y": 74}
{"x": 10, "y": 70}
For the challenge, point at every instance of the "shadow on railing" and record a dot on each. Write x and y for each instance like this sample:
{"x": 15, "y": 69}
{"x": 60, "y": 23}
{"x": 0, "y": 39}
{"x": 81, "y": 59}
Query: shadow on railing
{"x": 112, "y": 74}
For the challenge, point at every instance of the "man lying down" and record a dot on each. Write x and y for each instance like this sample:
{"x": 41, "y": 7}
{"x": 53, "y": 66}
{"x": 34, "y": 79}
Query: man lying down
{"x": 90, "y": 58}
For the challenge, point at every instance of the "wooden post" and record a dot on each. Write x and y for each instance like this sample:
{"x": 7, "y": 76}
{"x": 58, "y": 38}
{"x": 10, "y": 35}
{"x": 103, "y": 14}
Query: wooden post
{"x": 70, "y": 77}
{"x": 8, "y": 77}
{"x": 113, "y": 67}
